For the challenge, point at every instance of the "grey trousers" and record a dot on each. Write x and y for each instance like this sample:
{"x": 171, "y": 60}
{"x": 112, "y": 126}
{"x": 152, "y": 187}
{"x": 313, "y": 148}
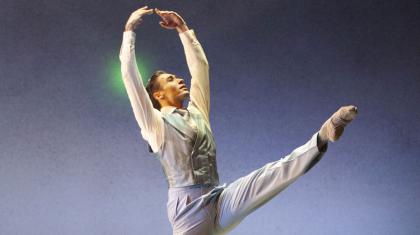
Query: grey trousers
{"x": 202, "y": 210}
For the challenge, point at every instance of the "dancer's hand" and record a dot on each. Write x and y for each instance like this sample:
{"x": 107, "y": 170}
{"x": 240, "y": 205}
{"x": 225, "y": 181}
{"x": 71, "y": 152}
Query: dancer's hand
{"x": 135, "y": 18}
{"x": 171, "y": 20}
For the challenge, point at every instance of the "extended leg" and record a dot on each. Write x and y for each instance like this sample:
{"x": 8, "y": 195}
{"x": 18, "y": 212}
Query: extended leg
{"x": 246, "y": 194}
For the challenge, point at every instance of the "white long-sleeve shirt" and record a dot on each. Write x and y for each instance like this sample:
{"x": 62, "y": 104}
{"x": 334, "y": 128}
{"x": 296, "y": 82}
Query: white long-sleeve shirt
{"x": 148, "y": 118}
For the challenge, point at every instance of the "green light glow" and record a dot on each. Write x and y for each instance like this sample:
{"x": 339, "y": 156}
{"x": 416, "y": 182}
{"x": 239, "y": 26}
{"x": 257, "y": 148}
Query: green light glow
{"x": 114, "y": 82}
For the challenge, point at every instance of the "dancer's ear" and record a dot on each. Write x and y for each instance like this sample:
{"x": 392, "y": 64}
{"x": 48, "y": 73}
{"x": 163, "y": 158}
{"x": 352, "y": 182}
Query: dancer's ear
{"x": 158, "y": 95}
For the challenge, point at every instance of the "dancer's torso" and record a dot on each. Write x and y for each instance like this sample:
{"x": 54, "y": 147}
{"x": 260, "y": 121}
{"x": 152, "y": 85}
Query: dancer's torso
{"x": 188, "y": 153}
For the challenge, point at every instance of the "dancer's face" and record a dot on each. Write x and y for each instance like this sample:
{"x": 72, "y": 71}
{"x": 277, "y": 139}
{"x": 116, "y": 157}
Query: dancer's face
{"x": 173, "y": 88}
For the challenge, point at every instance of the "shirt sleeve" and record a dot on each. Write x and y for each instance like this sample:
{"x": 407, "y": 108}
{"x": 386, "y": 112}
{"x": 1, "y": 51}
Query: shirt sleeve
{"x": 199, "y": 71}
{"x": 148, "y": 118}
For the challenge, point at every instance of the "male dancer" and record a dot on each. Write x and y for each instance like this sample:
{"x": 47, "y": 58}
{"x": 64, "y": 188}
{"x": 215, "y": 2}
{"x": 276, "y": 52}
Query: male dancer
{"x": 182, "y": 140}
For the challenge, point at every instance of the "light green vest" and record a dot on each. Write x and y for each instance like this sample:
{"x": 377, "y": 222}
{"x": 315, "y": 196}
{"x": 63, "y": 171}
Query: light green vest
{"x": 188, "y": 157}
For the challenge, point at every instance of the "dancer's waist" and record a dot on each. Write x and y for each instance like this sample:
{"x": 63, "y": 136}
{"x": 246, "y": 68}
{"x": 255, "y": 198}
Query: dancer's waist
{"x": 198, "y": 189}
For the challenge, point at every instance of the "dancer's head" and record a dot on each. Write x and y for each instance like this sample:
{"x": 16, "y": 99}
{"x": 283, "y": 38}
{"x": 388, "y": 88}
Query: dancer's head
{"x": 166, "y": 89}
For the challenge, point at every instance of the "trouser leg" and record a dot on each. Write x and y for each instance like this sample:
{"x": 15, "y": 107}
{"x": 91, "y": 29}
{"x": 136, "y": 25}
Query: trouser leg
{"x": 192, "y": 211}
{"x": 247, "y": 193}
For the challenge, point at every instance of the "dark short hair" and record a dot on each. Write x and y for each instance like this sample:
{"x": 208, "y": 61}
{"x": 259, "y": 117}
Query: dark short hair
{"x": 153, "y": 86}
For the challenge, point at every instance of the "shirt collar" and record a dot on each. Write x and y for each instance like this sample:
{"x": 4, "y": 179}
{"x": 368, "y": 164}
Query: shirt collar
{"x": 169, "y": 109}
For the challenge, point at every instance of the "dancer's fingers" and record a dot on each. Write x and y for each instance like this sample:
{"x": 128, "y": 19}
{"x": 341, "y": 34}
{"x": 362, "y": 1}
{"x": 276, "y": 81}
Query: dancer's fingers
{"x": 164, "y": 25}
{"x": 144, "y": 10}
{"x": 163, "y": 13}
{"x": 354, "y": 109}
{"x": 165, "y": 18}
{"x": 141, "y": 9}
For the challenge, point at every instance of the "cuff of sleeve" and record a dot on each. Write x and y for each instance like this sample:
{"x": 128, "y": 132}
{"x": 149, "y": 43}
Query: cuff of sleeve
{"x": 129, "y": 37}
{"x": 319, "y": 151}
{"x": 322, "y": 147}
{"x": 188, "y": 35}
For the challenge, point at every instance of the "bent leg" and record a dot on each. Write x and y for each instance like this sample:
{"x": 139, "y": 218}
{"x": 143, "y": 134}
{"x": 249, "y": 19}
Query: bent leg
{"x": 247, "y": 193}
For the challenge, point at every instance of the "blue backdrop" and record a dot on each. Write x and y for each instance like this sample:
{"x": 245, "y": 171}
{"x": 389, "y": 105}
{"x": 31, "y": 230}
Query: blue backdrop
{"x": 72, "y": 160}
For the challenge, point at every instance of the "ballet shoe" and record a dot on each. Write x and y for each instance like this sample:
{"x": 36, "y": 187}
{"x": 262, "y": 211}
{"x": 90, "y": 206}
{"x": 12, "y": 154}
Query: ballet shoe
{"x": 333, "y": 128}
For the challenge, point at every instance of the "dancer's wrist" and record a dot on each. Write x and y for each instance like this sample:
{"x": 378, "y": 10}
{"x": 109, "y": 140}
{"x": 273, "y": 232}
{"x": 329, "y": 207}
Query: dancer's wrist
{"x": 182, "y": 28}
{"x": 129, "y": 27}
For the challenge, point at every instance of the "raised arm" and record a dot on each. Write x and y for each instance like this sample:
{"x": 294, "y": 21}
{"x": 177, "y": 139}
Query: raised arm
{"x": 148, "y": 118}
{"x": 196, "y": 60}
